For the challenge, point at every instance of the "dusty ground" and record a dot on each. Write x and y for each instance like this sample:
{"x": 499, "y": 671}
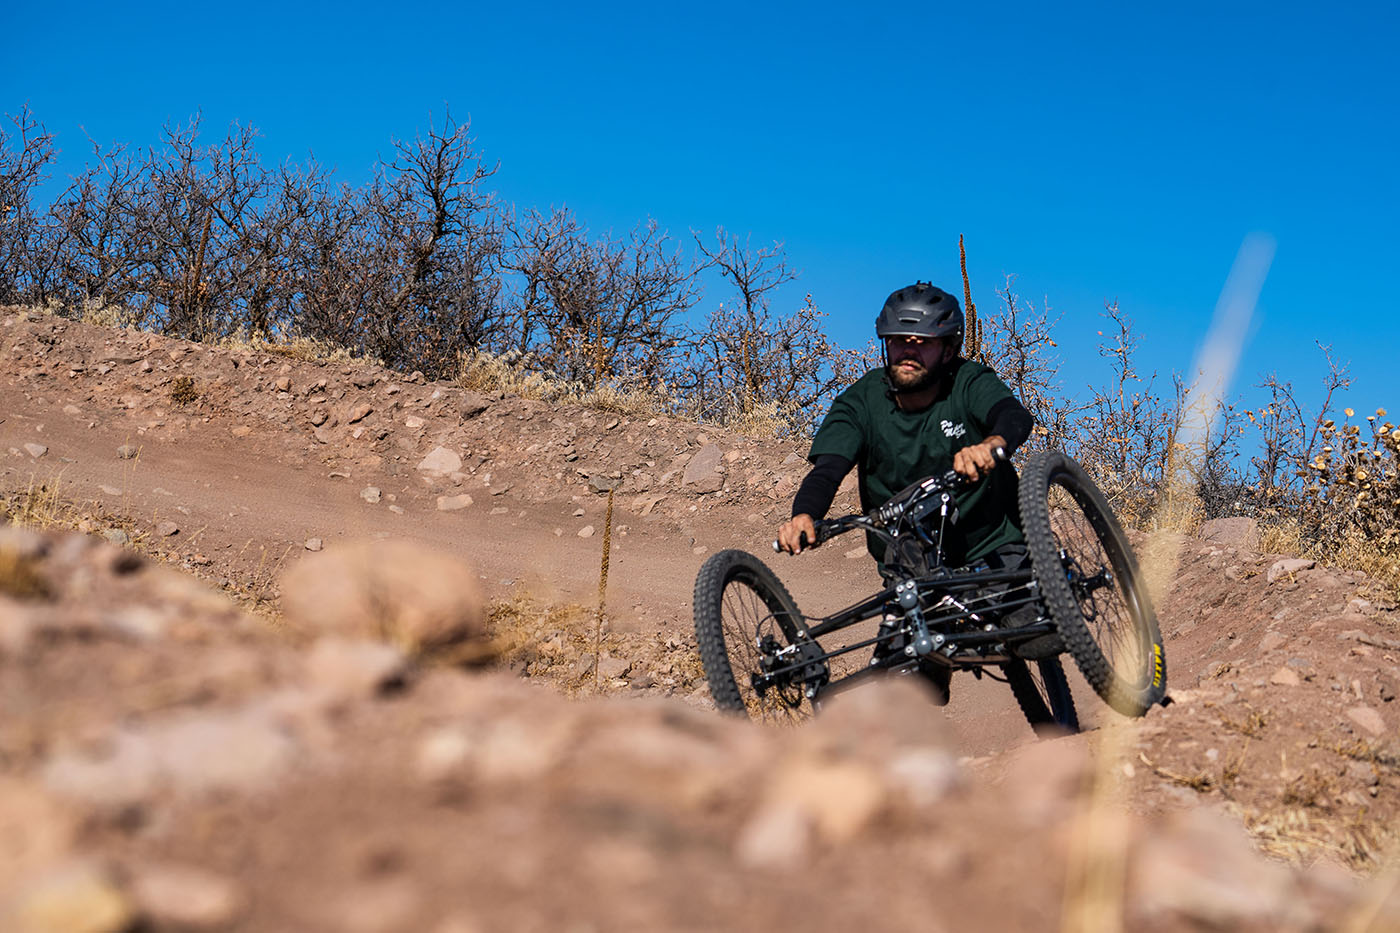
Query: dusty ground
{"x": 168, "y": 759}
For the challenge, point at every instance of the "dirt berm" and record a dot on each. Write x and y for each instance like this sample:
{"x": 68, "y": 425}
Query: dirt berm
{"x": 178, "y": 753}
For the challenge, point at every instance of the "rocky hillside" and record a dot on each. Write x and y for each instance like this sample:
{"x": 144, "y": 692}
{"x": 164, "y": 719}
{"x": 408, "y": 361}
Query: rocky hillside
{"x": 336, "y": 666}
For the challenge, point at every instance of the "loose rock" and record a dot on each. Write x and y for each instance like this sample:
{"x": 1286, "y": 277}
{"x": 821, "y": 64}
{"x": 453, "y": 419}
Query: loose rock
{"x": 1368, "y": 719}
{"x": 1289, "y": 566}
{"x": 453, "y": 503}
{"x": 354, "y": 667}
{"x": 703, "y": 470}
{"x": 440, "y": 461}
{"x": 1237, "y": 531}
{"x": 185, "y": 898}
{"x": 393, "y": 590}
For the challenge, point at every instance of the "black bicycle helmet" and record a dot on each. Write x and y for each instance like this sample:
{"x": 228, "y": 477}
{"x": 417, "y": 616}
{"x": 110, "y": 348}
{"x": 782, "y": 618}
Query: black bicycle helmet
{"x": 920, "y": 310}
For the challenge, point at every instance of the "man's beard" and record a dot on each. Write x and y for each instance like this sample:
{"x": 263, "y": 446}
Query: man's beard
{"x": 921, "y": 378}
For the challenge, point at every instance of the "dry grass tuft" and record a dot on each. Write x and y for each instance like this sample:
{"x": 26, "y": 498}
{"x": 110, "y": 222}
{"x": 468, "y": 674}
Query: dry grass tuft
{"x": 1300, "y": 835}
{"x": 1201, "y": 781}
{"x": 1252, "y": 726}
{"x": 1372, "y": 752}
{"x": 304, "y": 349}
{"x": 183, "y": 391}
{"x": 488, "y": 372}
{"x": 528, "y": 636}
{"x": 19, "y": 579}
{"x": 38, "y": 506}
{"x": 1311, "y": 789}
{"x": 1353, "y": 550}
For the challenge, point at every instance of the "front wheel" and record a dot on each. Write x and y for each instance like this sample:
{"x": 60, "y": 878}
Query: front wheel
{"x": 743, "y": 614}
{"x": 1042, "y": 692}
{"x": 1091, "y": 584}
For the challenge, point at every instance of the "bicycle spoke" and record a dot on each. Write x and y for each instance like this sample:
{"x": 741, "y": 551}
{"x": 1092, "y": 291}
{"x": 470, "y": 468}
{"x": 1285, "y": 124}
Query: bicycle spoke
{"x": 746, "y": 619}
{"x": 1105, "y": 610}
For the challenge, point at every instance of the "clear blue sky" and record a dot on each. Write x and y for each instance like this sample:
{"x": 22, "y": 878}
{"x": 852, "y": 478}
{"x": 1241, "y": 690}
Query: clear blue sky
{"x": 1098, "y": 152}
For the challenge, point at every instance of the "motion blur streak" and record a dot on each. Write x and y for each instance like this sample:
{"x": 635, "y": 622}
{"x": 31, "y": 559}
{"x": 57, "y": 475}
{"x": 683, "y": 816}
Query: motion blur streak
{"x": 1094, "y": 880}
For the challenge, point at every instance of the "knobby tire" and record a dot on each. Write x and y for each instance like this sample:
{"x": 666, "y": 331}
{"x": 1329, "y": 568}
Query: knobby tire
{"x": 1043, "y": 694}
{"x": 737, "y": 598}
{"x": 1110, "y": 630}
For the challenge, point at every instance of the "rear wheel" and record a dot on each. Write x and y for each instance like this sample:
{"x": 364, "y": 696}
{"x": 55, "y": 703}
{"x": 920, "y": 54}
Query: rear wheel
{"x": 742, "y": 614}
{"x": 1091, "y": 584}
{"x": 1042, "y": 692}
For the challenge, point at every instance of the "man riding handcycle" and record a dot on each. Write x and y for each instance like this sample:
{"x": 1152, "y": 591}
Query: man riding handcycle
{"x": 982, "y": 572}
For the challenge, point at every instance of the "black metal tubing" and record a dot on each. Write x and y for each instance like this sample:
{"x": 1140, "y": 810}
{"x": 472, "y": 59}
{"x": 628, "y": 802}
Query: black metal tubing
{"x": 857, "y": 612}
{"x": 938, "y": 583}
{"x": 868, "y": 607}
{"x": 953, "y": 640}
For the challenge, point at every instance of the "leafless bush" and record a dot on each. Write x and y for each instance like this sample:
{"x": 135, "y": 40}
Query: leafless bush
{"x": 1017, "y": 341}
{"x": 750, "y": 360}
{"x": 194, "y": 240}
{"x": 410, "y": 270}
{"x": 94, "y": 255}
{"x": 1204, "y": 468}
{"x": 1288, "y": 436}
{"x": 1126, "y": 437}
{"x": 26, "y": 149}
{"x": 597, "y": 312}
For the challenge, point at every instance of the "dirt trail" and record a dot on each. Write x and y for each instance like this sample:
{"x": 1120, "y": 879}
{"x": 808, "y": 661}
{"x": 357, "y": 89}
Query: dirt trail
{"x": 230, "y": 464}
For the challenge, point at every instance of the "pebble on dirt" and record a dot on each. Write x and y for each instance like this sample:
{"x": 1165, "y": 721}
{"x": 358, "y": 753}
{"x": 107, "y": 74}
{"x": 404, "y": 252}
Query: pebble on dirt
{"x": 370, "y": 494}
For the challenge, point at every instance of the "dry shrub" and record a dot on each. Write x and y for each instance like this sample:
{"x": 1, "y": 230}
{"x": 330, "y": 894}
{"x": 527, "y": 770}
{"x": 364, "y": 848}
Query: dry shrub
{"x": 1348, "y": 513}
{"x": 101, "y": 314}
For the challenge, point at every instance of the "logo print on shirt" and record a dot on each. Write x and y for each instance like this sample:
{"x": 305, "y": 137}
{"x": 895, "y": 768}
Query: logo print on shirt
{"x": 952, "y": 430}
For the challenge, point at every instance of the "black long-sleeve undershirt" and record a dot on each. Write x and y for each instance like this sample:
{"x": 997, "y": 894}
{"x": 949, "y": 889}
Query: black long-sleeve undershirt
{"x": 1007, "y": 417}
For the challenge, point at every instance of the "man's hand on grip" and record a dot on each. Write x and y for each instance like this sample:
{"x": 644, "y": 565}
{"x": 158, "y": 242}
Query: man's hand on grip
{"x": 790, "y": 535}
{"x": 977, "y": 460}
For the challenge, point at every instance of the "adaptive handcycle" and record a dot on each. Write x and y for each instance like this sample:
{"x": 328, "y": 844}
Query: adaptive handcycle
{"x": 1082, "y": 594}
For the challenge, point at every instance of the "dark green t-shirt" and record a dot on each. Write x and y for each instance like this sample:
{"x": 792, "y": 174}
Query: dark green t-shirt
{"x": 893, "y": 448}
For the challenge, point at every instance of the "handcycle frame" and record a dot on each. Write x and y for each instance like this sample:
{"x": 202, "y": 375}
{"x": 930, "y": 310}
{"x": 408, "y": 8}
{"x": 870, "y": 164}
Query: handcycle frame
{"x": 927, "y": 613}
